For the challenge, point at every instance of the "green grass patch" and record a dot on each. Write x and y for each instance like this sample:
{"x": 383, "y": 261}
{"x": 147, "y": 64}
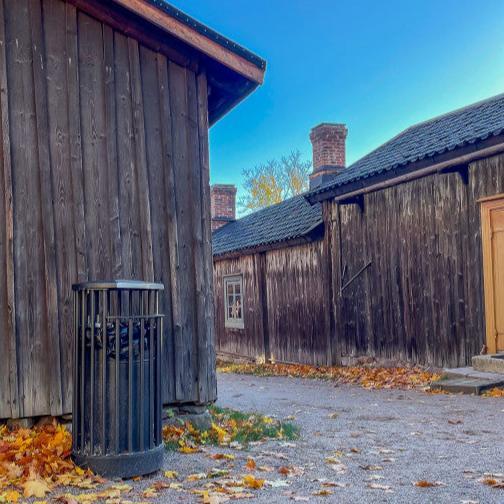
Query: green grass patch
{"x": 229, "y": 427}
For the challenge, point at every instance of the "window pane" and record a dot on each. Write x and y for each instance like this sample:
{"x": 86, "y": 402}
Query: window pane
{"x": 229, "y": 288}
{"x": 237, "y": 288}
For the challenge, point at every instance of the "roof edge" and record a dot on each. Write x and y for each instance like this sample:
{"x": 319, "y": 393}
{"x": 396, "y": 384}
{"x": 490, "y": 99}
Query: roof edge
{"x": 199, "y": 36}
{"x": 464, "y": 154}
{"x": 309, "y": 236}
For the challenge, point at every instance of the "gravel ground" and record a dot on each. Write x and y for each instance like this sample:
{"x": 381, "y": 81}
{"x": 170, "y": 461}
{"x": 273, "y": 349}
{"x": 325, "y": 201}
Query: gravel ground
{"x": 412, "y": 435}
{"x": 386, "y": 438}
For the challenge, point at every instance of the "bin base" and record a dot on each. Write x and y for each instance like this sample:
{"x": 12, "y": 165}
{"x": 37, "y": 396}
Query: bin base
{"x": 125, "y": 465}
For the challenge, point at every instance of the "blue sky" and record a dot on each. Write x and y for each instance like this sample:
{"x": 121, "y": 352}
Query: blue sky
{"x": 378, "y": 66}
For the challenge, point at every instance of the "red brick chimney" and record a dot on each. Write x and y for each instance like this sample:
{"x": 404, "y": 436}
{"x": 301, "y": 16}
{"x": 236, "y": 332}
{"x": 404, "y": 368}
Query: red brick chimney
{"x": 328, "y": 141}
{"x": 222, "y": 204}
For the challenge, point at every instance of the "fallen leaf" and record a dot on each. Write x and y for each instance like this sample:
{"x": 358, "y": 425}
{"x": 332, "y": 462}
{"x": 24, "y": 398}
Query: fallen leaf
{"x": 323, "y": 493}
{"x": 371, "y": 467}
{"x": 427, "y": 484}
{"x": 250, "y": 465}
{"x": 378, "y": 486}
{"x": 251, "y": 482}
{"x": 35, "y": 488}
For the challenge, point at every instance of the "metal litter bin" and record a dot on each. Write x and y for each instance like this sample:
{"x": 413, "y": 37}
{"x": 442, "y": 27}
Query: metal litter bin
{"x": 116, "y": 417}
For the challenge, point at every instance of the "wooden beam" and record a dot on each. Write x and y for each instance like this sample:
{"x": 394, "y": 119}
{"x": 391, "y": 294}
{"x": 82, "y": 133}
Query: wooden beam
{"x": 194, "y": 39}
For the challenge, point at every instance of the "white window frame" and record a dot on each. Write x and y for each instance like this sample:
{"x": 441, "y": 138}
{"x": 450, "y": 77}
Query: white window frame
{"x": 232, "y": 322}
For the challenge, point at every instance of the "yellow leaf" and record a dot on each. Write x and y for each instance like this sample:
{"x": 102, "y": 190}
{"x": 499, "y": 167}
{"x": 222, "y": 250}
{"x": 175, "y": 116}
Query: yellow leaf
{"x": 171, "y": 474}
{"x": 250, "y": 481}
{"x": 35, "y": 488}
{"x": 10, "y": 496}
{"x": 188, "y": 449}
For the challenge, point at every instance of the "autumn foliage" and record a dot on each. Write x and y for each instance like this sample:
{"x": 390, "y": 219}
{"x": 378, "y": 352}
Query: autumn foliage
{"x": 34, "y": 461}
{"x": 367, "y": 377}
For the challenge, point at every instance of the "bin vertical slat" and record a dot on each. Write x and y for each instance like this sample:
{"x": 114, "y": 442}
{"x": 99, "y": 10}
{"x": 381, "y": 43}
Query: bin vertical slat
{"x": 75, "y": 400}
{"x": 142, "y": 356}
{"x": 159, "y": 330}
{"x": 130, "y": 372}
{"x": 92, "y": 371}
{"x": 117, "y": 322}
{"x": 105, "y": 304}
{"x": 152, "y": 423}
{"x": 83, "y": 365}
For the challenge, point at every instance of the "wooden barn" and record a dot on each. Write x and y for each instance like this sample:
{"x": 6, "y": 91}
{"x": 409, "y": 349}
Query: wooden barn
{"x": 105, "y": 107}
{"x": 400, "y": 256}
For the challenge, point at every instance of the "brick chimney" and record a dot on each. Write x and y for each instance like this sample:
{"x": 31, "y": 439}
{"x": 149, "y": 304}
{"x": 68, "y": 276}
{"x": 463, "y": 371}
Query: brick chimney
{"x": 222, "y": 204}
{"x": 328, "y": 141}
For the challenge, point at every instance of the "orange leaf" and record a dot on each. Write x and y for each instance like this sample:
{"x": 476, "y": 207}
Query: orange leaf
{"x": 250, "y": 465}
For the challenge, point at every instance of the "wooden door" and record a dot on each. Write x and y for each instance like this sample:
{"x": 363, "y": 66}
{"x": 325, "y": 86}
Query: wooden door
{"x": 492, "y": 232}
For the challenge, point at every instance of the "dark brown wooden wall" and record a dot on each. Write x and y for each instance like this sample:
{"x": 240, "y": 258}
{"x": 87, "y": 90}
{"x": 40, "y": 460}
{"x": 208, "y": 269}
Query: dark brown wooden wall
{"x": 421, "y": 299}
{"x": 298, "y": 304}
{"x": 249, "y": 341}
{"x": 104, "y": 172}
{"x": 288, "y": 284}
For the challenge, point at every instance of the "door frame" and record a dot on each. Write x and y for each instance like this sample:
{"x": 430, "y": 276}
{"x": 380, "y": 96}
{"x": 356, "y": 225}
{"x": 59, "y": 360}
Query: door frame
{"x": 487, "y": 206}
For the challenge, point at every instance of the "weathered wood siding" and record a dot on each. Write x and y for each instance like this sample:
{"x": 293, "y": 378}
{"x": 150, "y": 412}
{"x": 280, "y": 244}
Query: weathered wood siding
{"x": 286, "y": 309}
{"x": 247, "y": 342}
{"x": 298, "y": 304}
{"x": 421, "y": 298}
{"x": 104, "y": 174}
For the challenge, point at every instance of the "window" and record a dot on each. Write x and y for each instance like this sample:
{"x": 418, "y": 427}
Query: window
{"x": 233, "y": 301}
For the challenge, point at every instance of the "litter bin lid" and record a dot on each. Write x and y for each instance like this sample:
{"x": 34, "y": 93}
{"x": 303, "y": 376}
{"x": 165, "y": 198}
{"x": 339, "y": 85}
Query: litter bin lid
{"x": 118, "y": 284}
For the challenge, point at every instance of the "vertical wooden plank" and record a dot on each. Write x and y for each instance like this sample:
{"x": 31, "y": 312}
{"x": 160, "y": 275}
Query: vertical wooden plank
{"x": 94, "y": 145}
{"x": 75, "y": 142}
{"x": 185, "y": 339}
{"x": 111, "y": 167}
{"x": 8, "y": 307}
{"x": 326, "y": 280}
{"x": 260, "y": 267}
{"x": 47, "y": 198}
{"x": 336, "y": 260}
{"x": 172, "y": 330}
{"x": 64, "y": 253}
{"x": 206, "y": 352}
{"x": 128, "y": 201}
{"x": 142, "y": 181}
{"x": 34, "y": 372}
{"x": 195, "y": 232}
{"x": 158, "y": 163}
